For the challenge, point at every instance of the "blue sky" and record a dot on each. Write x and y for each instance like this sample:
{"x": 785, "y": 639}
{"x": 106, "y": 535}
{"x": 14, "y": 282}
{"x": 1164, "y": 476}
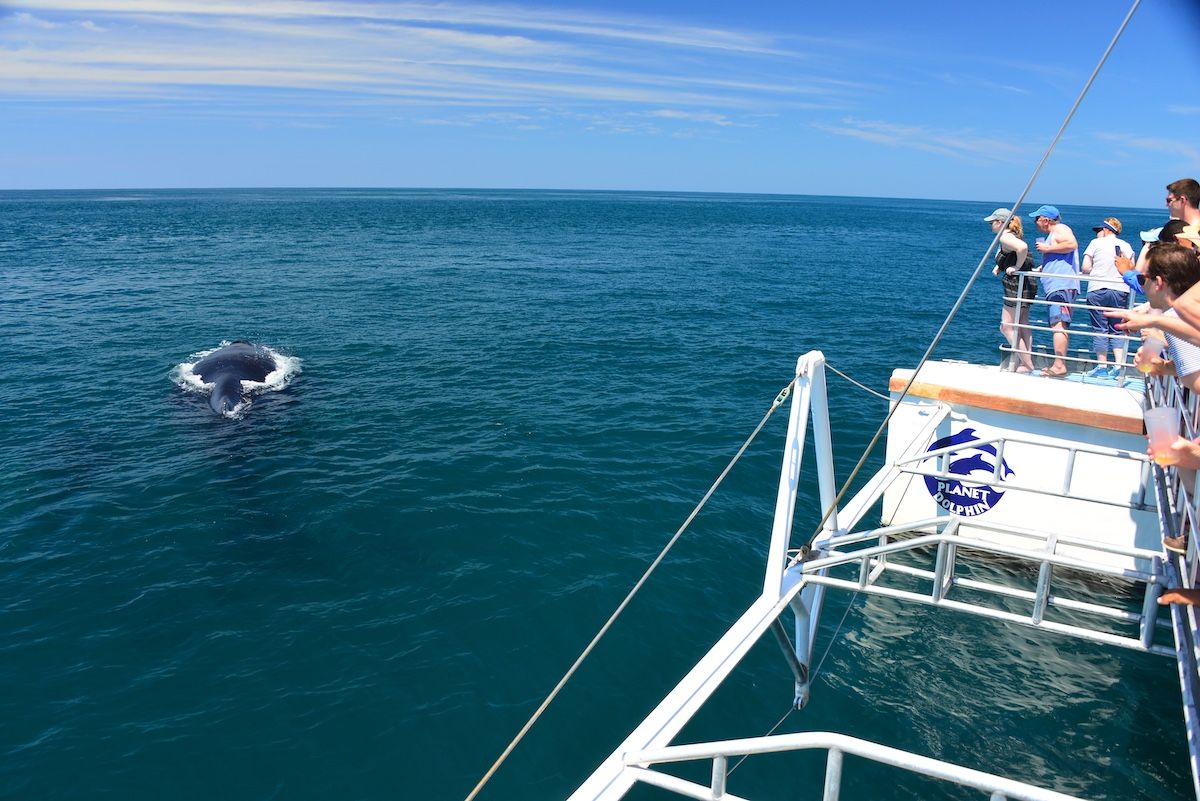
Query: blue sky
{"x": 928, "y": 99}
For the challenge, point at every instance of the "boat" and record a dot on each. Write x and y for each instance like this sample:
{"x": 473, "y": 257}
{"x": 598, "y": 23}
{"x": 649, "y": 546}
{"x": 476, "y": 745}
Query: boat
{"x": 1025, "y": 502}
{"x": 983, "y": 466}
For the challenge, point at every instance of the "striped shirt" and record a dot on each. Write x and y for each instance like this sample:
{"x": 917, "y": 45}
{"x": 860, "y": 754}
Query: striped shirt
{"x": 1184, "y": 354}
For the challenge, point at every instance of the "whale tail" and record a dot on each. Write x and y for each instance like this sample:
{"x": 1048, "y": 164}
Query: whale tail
{"x": 226, "y": 394}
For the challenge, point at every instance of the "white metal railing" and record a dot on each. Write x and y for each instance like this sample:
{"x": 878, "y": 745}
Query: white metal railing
{"x": 1064, "y": 489}
{"x": 944, "y": 548}
{"x": 1177, "y": 492}
{"x": 1078, "y": 328}
{"x": 836, "y": 746}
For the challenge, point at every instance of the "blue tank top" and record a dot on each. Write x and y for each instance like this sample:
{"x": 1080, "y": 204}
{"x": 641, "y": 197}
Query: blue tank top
{"x": 1059, "y": 264}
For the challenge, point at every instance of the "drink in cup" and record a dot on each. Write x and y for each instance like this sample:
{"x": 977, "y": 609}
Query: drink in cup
{"x": 1162, "y": 428}
{"x": 1151, "y": 348}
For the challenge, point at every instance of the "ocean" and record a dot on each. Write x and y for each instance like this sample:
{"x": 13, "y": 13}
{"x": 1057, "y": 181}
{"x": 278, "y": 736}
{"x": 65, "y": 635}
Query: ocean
{"x": 505, "y": 403}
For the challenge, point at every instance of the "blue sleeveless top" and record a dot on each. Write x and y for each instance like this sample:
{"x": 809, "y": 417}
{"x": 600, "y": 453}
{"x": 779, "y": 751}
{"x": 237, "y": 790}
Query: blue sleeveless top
{"x": 1059, "y": 264}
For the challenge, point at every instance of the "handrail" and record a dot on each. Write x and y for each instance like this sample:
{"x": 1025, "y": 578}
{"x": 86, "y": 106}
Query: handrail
{"x": 836, "y": 745}
{"x": 873, "y": 565}
{"x": 1073, "y": 331}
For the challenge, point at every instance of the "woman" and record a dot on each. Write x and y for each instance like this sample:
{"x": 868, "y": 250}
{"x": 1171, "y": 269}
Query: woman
{"x": 1012, "y": 259}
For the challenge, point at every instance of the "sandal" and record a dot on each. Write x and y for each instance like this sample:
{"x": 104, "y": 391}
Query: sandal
{"x": 1052, "y": 374}
{"x": 1023, "y": 370}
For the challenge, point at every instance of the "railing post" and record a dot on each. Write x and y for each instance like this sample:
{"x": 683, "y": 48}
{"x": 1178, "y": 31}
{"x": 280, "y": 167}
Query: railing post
{"x": 1043, "y": 592}
{"x": 1150, "y": 606}
{"x": 823, "y": 444}
{"x": 720, "y": 772}
{"x": 789, "y": 476}
{"x": 939, "y": 573}
{"x": 833, "y": 775}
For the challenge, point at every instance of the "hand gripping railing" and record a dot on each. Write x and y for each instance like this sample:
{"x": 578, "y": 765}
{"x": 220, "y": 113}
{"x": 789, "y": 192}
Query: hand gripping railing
{"x": 837, "y": 745}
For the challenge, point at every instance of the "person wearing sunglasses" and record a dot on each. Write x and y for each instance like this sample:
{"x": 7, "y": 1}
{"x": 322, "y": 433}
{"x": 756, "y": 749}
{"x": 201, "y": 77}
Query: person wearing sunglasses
{"x": 1171, "y": 271}
{"x": 1183, "y": 198}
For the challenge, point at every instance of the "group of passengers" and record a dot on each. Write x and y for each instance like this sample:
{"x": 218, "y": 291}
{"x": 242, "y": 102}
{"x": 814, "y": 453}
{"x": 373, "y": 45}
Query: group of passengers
{"x": 1166, "y": 272}
{"x": 1108, "y": 263}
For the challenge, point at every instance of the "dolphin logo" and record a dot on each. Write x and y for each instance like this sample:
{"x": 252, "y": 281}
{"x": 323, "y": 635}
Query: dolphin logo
{"x": 960, "y": 497}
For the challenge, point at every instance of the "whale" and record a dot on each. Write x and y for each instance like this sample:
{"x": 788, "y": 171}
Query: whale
{"x": 227, "y": 367}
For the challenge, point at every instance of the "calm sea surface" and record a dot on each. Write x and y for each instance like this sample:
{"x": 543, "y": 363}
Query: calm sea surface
{"x": 507, "y": 403}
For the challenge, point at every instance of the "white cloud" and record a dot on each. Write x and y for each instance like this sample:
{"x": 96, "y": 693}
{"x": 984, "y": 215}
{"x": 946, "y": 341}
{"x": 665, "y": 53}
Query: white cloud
{"x": 329, "y": 54}
{"x": 26, "y": 19}
{"x": 696, "y": 116}
{"x": 956, "y": 144}
{"x": 1178, "y": 148}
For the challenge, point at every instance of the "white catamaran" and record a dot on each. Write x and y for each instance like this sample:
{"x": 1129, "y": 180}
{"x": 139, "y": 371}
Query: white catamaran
{"x": 983, "y": 465}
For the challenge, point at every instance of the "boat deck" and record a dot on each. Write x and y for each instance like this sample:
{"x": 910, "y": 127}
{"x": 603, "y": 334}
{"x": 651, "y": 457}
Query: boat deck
{"x": 1087, "y": 402}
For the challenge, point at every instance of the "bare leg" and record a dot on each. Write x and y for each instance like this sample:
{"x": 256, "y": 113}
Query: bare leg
{"x": 1060, "y": 349}
{"x": 1009, "y": 329}
{"x": 1025, "y": 338}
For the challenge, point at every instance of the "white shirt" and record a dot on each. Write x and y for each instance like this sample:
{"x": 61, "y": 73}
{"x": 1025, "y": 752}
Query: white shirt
{"x": 1104, "y": 265}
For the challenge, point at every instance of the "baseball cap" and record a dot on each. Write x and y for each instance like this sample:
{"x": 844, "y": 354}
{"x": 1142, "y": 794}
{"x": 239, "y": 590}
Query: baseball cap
{"x": 1049, "y": 212}
{"x": 1166, "y": 233}
{"x": 998, "y": 214}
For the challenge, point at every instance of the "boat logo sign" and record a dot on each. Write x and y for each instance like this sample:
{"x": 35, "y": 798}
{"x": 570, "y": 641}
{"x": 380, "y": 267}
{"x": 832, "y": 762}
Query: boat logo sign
{"x": 964, "y": 498}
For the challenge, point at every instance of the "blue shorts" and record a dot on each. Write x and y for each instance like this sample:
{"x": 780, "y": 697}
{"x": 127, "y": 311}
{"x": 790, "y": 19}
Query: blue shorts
{"x": 1060, "y": 313}
{"x": 1106, "y": 327}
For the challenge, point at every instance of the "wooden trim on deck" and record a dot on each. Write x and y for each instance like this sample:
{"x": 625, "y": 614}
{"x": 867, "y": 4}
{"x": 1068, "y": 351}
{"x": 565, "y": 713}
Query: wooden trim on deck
{"x": 1010, "y": 405}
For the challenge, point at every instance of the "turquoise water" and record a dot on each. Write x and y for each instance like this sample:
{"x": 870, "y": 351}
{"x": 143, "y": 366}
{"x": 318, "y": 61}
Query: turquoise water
{"x": 506, "y": 404}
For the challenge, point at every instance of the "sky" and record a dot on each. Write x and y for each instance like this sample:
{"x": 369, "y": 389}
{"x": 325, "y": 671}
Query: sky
{"x": 953, "y": 99}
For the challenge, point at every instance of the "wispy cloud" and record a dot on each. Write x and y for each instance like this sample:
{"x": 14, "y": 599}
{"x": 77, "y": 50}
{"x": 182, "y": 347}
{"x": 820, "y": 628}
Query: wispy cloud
{"x": 697, "y": 116}
{"x": 1177, "y": 148}
{"x": 326, "y": 53}
{"x": 961, "y": 144}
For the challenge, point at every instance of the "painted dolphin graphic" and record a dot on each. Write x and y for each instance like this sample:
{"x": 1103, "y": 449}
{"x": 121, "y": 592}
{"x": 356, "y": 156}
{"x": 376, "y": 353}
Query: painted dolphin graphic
{"x": 227, "y": 367}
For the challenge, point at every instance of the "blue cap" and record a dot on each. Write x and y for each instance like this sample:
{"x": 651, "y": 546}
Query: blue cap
{"x": 1049, "y": 212}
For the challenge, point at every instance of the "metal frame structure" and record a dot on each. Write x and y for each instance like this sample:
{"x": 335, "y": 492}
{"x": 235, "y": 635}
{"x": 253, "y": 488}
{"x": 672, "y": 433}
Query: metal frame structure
{"x": 798, "y": 578}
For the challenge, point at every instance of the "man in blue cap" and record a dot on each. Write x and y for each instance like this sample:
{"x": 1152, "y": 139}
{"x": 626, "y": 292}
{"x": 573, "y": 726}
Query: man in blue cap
{"x": 1059, "y": 278}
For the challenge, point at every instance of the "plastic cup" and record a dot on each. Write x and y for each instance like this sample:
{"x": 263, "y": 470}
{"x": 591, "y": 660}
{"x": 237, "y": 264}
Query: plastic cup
{"x": 1151, "y": 348}
{"x": 1162, "y": 429}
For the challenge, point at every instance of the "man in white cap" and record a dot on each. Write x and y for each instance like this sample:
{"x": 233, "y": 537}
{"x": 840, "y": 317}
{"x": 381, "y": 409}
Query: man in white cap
{"x": 1059, "y": 279}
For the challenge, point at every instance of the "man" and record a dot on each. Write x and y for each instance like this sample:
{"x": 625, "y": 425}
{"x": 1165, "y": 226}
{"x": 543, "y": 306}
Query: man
{"x": 1183, "y": 197}
{"x": 1106, "y": 290}
{"x": 1170, "y": 271}
{"x": 1060, "y": 263}
{"x": 1129, "y": 269}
